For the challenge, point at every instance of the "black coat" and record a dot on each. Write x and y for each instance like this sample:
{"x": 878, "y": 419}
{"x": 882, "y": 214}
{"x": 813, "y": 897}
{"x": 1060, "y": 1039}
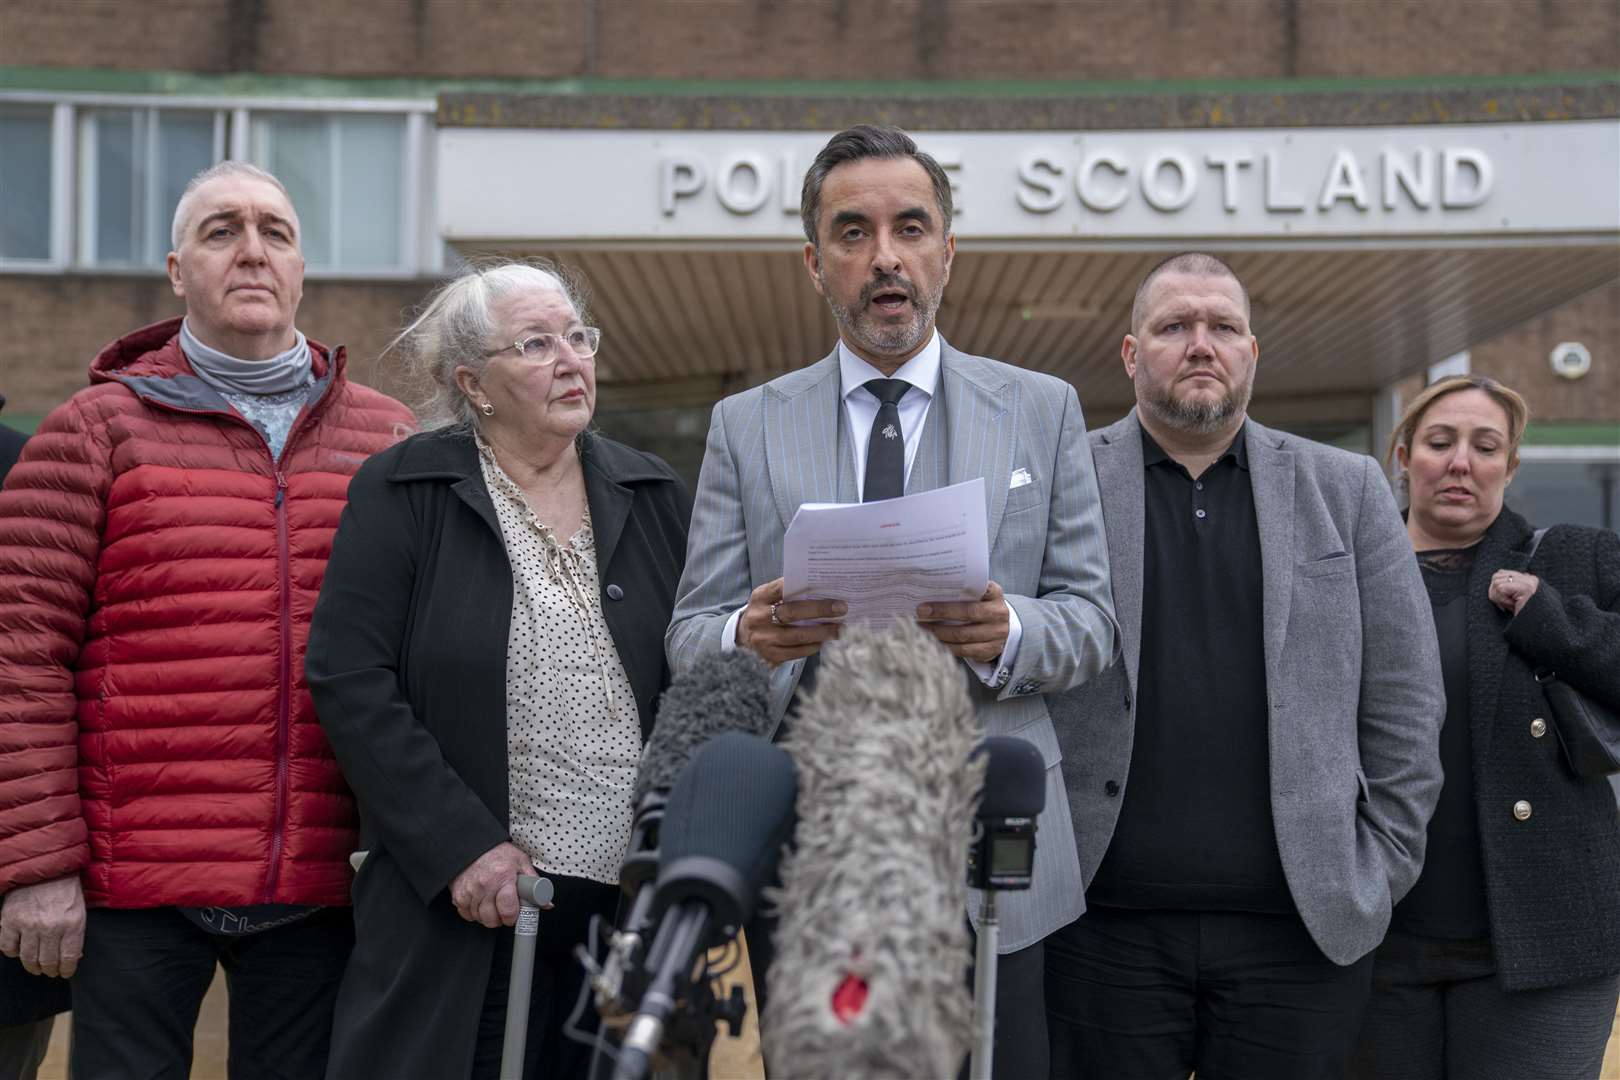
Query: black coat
{"x": 407, "y": 664}
{"x": 1552, "y": 882}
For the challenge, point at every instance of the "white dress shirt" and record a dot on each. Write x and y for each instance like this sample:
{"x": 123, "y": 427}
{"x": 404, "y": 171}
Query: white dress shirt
{"x": 860, "y": 409}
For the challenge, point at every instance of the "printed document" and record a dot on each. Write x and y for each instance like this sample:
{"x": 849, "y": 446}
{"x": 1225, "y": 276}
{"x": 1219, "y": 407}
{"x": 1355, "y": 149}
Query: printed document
{"x": 884, "y": 558}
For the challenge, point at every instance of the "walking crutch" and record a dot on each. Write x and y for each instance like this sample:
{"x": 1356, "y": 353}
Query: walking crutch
{"x": 534, "y": 893}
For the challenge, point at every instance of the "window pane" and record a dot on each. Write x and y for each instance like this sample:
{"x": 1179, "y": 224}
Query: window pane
{"x": 139, "y": 176}
{"x": 345, "y": 175}
{"x": 297, "y": 148}
{"x": 25, "y": 183}
{"x": 118, "y": 187}
{"x": 370, "y": 190}
{"x": 1574, "y": 492}
{"x": 185, "y": 148}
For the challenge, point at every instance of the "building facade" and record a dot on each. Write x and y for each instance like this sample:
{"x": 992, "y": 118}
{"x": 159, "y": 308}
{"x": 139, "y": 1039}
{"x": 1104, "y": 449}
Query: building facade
{"x": 1410, "y": 188}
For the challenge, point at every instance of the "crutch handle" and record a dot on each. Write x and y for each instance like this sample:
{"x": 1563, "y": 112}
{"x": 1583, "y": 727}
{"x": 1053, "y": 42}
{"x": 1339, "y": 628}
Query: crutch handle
{"x": 534, "y": 893}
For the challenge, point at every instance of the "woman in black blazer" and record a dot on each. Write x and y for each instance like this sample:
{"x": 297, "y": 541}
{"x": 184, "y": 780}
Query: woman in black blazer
{"x": 485, "y": 657}
{"x": 1504, "y": 959}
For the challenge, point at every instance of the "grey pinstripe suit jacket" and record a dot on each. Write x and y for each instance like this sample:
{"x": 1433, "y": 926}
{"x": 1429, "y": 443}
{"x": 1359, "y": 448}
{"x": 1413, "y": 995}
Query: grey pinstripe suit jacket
{"x": 776, "y": 446}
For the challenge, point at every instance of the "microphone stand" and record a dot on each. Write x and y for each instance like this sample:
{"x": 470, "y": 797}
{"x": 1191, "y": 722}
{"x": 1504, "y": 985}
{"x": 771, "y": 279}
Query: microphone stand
{"x": 985, "y": 959}
{"x": 534, "y": 893}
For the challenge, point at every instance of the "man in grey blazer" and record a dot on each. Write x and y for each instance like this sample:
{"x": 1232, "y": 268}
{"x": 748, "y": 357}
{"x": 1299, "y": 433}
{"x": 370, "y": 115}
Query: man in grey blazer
{"x": 895, "y": 409}
{"x": 1251, "y": 780}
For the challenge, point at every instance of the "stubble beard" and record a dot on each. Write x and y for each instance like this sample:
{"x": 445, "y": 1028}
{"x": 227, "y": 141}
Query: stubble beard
{"x": 858, "y": 325}
{"x": 1201, "y": 416}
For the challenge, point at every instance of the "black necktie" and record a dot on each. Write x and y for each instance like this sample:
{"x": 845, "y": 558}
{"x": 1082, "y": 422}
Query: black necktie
{"x": 886, "y": 447}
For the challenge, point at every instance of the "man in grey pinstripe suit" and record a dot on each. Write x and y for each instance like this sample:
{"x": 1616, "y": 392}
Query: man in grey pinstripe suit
{"x": 877, "y": 216}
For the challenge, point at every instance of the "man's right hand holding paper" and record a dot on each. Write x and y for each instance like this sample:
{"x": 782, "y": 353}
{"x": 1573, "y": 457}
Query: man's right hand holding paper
{"x": 777, "y": 639}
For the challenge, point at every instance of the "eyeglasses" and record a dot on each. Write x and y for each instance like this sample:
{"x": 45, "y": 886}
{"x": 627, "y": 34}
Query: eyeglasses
{"x": 544, "y": 349}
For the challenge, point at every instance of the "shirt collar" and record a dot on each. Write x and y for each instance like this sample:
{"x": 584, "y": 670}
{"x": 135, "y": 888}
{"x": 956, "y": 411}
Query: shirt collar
{"x": 1238, "y": 451}
{"x": 921, "y": 371}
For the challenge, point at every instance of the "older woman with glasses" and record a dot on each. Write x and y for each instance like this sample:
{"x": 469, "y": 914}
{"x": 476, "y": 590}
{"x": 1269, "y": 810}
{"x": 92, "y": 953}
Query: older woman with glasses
{"x": 485, "y": 657}
{"x": 1504, "y": 959}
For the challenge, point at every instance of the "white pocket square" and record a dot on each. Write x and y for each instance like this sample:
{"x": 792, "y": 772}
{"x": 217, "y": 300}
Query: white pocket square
{"x": 1020, "y": 477}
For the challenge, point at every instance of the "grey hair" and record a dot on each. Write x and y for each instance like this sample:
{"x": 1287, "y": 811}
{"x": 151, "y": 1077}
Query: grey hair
{"x": 228, "y": 167}
{"x": 857, "y": 144}
{"x": 1196, "y": 263}
{"x": 453, "y": 327}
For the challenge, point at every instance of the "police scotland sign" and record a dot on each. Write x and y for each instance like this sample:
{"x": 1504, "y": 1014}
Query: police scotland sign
{"x": 1344, "y": 184}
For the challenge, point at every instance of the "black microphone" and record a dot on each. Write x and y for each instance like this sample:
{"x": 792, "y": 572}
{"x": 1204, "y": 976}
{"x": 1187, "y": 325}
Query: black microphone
{"x": 725, "y": 691}
{"x": 725, "y": 824}
{"x": 870, "y": 973}
{"x": 1002, "y": 857}
{"x": 1003, "y": 852}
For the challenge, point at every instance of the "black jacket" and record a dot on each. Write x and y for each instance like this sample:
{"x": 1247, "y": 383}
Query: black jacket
{"x": 407, "y": 664}
{"x": 1553, "y": 880}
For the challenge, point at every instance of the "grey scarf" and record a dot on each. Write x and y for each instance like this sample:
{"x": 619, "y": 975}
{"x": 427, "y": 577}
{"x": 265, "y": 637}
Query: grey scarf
{"x": 269, "y": 394}
{"x": 278, "y": 375}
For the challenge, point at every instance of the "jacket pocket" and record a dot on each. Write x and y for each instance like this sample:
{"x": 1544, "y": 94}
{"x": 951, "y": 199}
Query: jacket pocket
{"x": 1331, "y": 566}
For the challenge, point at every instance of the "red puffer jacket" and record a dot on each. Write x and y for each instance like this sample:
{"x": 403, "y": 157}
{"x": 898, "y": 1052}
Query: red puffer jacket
{"x": 157, "y": 573}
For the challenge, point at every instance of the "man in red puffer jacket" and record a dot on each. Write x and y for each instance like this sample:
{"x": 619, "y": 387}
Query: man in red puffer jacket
{"x": 162, "y": 541}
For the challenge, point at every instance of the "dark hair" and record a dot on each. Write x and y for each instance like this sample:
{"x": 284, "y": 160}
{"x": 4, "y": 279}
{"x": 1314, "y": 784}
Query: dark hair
{"x": 856, "y": 144}
{"x": 1199, "y": 263}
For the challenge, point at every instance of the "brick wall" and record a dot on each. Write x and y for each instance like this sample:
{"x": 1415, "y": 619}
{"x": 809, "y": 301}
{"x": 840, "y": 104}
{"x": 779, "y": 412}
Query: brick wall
{"x": 1519, "y": 359}
{"x": 834, "y": 39}
{"x": 66, "y": 320}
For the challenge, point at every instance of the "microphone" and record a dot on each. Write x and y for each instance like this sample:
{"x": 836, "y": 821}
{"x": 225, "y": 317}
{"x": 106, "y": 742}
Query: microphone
{"x": 724, "y": 691}
{"x": 1002, "y": 858}
{"x": 1003, "y": 853}
{"x": 870, "y": 976}
{"x": 726, "y": 822}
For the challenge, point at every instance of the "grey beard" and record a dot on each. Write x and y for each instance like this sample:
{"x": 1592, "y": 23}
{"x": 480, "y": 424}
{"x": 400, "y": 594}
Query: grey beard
{"x": 887, "y": 340}
{"x": 1198, "y": 417}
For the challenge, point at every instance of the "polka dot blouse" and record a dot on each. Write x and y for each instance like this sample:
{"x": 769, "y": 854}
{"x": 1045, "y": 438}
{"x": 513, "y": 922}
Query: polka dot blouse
{"x": 573, "y": 736}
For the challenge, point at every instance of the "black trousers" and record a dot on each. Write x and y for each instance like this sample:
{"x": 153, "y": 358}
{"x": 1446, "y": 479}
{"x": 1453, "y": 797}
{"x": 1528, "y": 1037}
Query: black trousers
{"x": 141, "y": 983}
{"x": 22, "y": 1048}
{"x": 1020, "y": 1050}
{"x": 1439, "y": 1013}
{"x": 1154, "y": 995}
{"x": 549, "y": 1054}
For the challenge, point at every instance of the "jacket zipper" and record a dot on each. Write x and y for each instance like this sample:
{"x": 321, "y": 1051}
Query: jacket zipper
{"x": 284, "y": 679}
{"x": 284, "y": 587}
{"x": 284, "y": 674}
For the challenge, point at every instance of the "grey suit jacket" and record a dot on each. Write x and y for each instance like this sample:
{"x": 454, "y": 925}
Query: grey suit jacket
{"x": 776, "y": 446}
{"x": 1352, "y": 677}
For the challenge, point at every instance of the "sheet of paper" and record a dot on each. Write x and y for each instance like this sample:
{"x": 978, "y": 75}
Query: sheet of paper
{"x": 884, "y": 558}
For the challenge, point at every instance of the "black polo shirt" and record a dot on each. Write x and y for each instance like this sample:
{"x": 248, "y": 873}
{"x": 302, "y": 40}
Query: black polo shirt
{"x": 1195, "y": 831}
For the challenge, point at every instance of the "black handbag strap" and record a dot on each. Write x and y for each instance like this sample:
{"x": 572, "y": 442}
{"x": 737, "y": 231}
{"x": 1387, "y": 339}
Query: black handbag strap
{"x": 1535, "y": 542}
{"x": 1542, "y": 674}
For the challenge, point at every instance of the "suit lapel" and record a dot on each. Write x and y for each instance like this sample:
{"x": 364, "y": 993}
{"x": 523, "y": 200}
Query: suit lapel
{"x": 1118, "y": 458}
{"x": 1271, "y": 476}
{"x": 981, "y": 409}
{"x": 803, "y": 415}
